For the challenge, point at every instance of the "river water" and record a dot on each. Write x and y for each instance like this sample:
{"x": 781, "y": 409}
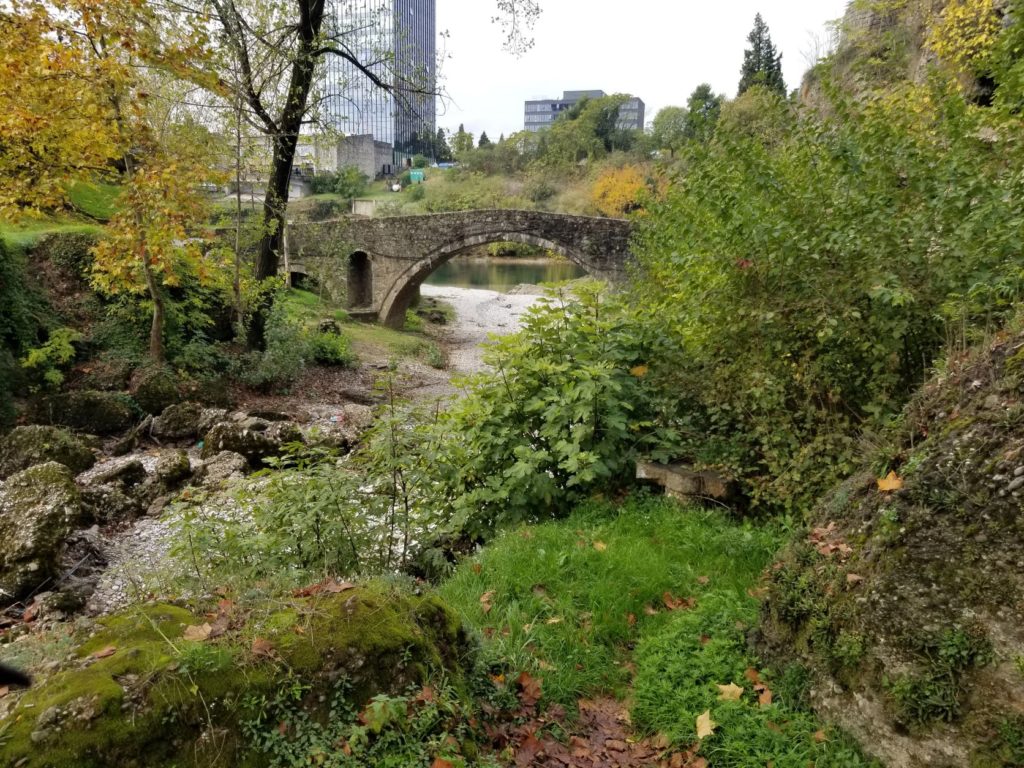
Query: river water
{"x": 500, "y": 274}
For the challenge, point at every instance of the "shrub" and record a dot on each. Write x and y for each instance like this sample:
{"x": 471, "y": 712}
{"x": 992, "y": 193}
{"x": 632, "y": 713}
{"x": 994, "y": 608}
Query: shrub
{"x": 46, "y": 361}
{"x": 348, "y": 182}
{"x": 284, "y": 359}
{"x": 416, "y": 193}
{"x": 565, "y": 413}
{"x": 332, "y": 349}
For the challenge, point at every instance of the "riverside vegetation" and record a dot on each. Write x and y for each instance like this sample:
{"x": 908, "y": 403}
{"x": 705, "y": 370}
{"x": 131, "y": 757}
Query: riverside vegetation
{"x": 825, "y": 309}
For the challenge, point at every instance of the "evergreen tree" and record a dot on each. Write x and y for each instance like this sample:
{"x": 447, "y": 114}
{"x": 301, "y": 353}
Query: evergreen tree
{"x": 484, "y": 141}
{"x": 703, "y": 109}
{"x": 462, "y": 141}
{"x": 442, "y": 152}
{"x": 501, "y": 139}
{"x": 762, "y": 64}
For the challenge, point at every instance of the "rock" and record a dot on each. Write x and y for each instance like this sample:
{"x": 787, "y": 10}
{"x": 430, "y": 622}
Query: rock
{"x": 97, "y": 413}
{"x": 329, "y": 327}
{"x": 343, "y": 430}
{"x": 906, "y": 606}
{"x": 178, "y": 421}
{"x": 255, "y": 439}
{"x": 174, "y": 468}
{"x": 209, "y": 418}
{"x": 682, "y": 482}
{"x": 39, "y": 507}
{"x": 123, "y": 473}
{"x": 36, "y": 444}
{"x": 224, "y": 466}
{"x": 109, "y": 504}
{"x": 268, "y": 415}
{"x": 155, "y": 389}
{"x": 135, "y": 706}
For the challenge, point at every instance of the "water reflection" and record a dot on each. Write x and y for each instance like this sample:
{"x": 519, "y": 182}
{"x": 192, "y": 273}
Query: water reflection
{"x": 501, "y": 274}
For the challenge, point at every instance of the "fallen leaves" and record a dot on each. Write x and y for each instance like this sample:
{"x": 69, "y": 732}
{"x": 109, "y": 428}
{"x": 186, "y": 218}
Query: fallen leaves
{"x": 197, "y": 633}
{"x": 327, "y": 586}
{"x": 263, "y": 647}
{"x": 676, "y": 603}
{"x": 600, "y": 546}
{"x": 104, "y": 653}
{"x": 891, "y": 482}
{"x": 705, "y": 725}
{"x": 730, "y": 692}
{"x": 485, "y": 601}
{"x": 828, "y": 541}
{"x": 764, "y": 693}
{"x": 529, "y": 689}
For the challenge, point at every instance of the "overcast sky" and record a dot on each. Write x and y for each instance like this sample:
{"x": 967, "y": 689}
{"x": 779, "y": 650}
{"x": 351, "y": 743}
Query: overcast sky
{"x": 659, "y": 50}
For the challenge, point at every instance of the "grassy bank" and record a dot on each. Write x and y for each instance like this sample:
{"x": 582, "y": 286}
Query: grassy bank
{"x": 649, "y": 602}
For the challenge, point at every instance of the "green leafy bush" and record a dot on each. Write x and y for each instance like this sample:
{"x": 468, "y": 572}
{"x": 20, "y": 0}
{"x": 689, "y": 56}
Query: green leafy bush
{"x": 811, "y": 270}
{"x": 348, "y": 182}
{"x": 283, "y": 360}
{"x": 45, "y": 362}
{"x": 332, "y": 349}
{"x": 565, "y": 413}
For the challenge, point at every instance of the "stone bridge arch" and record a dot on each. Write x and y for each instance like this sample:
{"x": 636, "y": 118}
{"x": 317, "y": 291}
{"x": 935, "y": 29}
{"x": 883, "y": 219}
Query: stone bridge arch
{"x": 389, "y": 258}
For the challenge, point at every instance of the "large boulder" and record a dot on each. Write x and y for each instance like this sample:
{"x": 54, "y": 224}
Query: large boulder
{"x": 905, "y": 599}
{"x": 178, "y": 422}
{"x": 155, "y": 389}
{"x": 221, "y": 468}
{"x": 39, "y": 507}
{"x": 96, "y": 413}
{"x": 35, "y": 444}
{"x": 128, "y": 697}
{"x": 255, "y": 439}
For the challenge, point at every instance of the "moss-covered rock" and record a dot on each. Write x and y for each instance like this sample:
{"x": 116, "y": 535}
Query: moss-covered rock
{"x": 36, "y": 444}
{"x": 178, "y": 422}
{"x": 39, "y": 507}
{"x": 173, "y": 468}
{"x": 253, "y": 438}
{"x": 908, "y": 604}
{"x": 142, "y": 695}
{"x": 155, "y": 389}
{"x": 97, "y": 413}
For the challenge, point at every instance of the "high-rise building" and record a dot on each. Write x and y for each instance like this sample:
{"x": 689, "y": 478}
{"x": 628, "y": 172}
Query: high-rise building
{"x": 542, "y": 113}
{"x": 396, "y": 40}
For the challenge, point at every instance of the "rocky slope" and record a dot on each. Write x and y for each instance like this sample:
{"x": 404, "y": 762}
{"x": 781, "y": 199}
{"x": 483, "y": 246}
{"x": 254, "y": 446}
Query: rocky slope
{"x": 906, "y": 599}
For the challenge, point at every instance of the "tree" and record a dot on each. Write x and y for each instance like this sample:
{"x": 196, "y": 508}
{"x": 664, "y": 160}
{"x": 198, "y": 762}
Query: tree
{"x": 670, "y": 128}
{"x": 442, "y": 152}
{"x": 55, "y": 118}
{"x": 703, "y": 110}
{"x": 762, "y": 64}
{"x": 484, "y": 141}
{"x": 619, "y": 191}
{"x": 462, "y": 141}
{"x": 501, "y": 139}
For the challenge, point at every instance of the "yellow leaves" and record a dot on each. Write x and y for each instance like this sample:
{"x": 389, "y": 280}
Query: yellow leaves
{"x": 600, "y": 546}
{"x": 619, "y": 191}
{"x": 639, "y": 371}
{"x": 705, "y": 725}
{"x": 966, "y": 34}
{"x": 892, "y": 482}
{"x": 730, "y": 692}
{"x": 198, "y": 633}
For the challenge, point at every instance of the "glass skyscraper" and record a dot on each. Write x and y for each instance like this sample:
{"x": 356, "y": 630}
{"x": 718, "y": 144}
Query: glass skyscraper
{"x": 396, "y": 39}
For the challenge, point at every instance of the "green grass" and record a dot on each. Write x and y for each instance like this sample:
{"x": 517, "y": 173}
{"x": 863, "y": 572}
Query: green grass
{"x": 569, "y": 601}
{"x": 23, "y": 234}
{"x": 96, "y": 200}
{"x": 564, "y": 592}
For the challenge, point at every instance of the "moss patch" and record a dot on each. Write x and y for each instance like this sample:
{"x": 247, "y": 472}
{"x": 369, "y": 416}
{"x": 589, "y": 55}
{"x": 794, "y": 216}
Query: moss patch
{"x": 139, "y": 694}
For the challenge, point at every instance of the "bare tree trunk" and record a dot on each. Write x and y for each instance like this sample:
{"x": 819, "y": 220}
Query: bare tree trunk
{"x": 156, "y": 328}
{"x": 237, "y": 281}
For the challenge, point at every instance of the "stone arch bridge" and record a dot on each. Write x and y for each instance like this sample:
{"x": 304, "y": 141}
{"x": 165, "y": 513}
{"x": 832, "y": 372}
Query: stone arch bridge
{"x": 389, "y": 258}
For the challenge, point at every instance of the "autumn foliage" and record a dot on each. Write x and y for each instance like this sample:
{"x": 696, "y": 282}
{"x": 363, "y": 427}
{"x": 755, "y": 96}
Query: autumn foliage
{"x": 620, "y": 191}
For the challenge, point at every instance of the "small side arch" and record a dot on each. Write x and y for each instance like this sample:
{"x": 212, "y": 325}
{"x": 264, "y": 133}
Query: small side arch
{"x": 360, "y": 280}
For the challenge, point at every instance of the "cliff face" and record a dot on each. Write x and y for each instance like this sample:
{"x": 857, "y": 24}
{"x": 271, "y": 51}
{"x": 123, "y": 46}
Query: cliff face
{"x": 880, "y": 43}
{"x": 906, "y": 599}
